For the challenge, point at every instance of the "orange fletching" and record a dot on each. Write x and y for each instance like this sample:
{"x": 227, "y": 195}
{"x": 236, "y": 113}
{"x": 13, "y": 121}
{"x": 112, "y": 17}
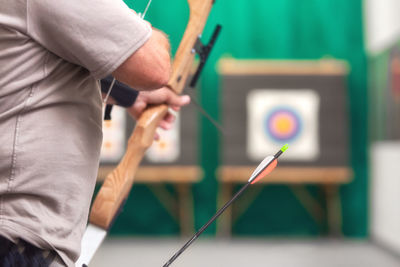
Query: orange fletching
{"x": 267, "y": 171}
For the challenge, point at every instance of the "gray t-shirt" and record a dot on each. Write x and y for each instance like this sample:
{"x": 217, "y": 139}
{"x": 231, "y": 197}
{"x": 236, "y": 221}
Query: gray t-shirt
{"x": 52, "y": 54}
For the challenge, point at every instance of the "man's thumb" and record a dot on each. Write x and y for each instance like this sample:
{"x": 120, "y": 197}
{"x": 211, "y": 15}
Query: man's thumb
{"x": 177, "y": 100}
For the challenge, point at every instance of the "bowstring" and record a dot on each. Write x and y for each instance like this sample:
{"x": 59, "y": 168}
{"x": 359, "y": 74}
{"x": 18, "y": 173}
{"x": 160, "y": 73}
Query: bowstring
{"x": 141, "y": 15}
{"x": 147, "y": 8}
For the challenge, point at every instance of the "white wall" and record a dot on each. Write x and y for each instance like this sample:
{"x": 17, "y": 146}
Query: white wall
{"x": 382, "y": 24}
{"x": 385, "y": 194}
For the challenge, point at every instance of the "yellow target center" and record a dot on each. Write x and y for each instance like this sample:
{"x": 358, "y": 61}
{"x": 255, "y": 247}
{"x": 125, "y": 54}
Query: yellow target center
{"x": 284, "y": 125}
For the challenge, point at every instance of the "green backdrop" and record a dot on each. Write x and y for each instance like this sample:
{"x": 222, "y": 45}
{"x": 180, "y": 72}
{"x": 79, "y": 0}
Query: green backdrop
{"x": 284, "y": 29}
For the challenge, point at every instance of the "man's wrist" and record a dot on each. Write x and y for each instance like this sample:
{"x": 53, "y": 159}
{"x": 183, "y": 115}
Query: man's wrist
{"x": 122, "y": 94}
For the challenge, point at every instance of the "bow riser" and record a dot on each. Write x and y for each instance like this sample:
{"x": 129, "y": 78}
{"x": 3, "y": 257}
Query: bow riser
{"x": 184, "y": 56}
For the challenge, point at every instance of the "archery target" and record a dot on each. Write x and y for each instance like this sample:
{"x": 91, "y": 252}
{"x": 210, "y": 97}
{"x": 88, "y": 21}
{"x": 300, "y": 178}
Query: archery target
{"x": 113, "y": 146}
{"x": 167, "y": 148}
{"x": 277, "y": 117}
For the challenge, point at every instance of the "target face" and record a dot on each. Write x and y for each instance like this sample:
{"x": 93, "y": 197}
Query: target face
{"x": 167, "y": 148}
{"x": 277, "y": 117}
{"x": 113, "y": 146}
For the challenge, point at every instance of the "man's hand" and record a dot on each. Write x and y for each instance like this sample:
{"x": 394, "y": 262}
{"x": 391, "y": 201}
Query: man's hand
{"x": 159, "y": 96}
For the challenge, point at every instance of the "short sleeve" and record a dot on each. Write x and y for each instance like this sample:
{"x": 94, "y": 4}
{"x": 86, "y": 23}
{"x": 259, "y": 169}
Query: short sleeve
{"x": 98, "y": 35}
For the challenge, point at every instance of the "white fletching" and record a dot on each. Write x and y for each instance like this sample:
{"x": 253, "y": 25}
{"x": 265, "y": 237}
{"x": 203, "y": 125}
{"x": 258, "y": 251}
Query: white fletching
{"x": 261, "y": 167}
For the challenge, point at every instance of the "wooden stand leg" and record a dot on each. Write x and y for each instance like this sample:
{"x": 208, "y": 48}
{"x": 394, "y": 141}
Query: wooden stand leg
{"x": 224, "y": 223}
{"x": 166, "y": 199}
{"x": 313, "y": 208}
{"x": 186, "y": 212}
{"x": 333, "y": 209}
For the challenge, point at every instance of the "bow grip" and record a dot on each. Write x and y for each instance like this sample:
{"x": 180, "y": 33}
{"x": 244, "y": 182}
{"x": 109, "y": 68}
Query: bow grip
{"x": 118, "y": 183}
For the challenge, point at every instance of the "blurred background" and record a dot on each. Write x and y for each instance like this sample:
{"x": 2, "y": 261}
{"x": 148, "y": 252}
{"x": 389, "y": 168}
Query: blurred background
{"x": 321, "y": 75}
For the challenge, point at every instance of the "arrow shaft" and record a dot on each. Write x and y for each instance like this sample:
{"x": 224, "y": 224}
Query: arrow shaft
{"x": 205, "y": 226}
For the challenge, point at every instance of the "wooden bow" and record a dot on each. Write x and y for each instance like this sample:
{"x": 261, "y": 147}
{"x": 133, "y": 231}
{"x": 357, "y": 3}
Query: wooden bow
{"x": 118, "y": 183}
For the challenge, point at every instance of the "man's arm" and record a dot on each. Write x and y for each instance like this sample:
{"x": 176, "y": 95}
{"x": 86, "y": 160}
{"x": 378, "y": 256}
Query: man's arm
{"x": 149, "y": 67}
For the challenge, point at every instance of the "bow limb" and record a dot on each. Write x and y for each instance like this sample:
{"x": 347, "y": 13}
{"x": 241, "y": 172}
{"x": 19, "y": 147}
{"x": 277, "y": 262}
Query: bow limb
{"x": 118, "y": 183}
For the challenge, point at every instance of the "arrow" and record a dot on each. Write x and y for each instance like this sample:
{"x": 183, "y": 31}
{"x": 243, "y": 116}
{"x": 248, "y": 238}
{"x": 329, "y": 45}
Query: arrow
{"x": 263, "y": 169}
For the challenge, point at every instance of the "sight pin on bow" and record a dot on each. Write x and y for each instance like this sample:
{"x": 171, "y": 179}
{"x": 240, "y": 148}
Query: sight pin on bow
{"x": 263, "y": 169}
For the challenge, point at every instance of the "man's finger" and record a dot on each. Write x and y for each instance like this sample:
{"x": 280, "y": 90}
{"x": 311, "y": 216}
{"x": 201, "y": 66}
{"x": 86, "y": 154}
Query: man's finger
{"x": 165, "y": 125}
{"x": 170, "y": 118}
{"x": 176, "y": 100}
{"x": 175, "y": 108}
{"x": 156, "y": 136}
